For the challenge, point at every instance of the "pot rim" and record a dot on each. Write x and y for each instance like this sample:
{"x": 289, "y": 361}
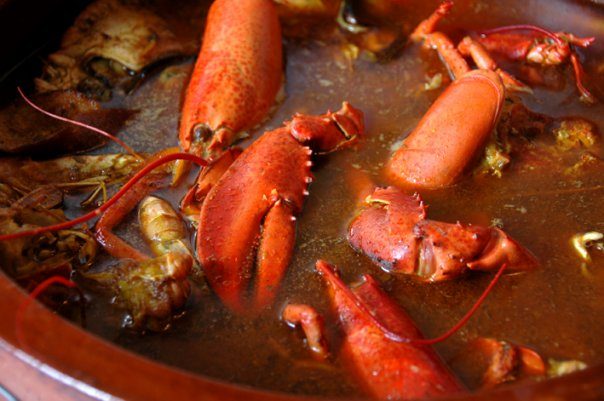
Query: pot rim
{"x": 111, "y": 371}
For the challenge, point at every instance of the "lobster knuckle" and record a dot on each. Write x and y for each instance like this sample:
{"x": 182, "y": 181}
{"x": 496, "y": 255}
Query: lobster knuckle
{"x": 328, "y": 132}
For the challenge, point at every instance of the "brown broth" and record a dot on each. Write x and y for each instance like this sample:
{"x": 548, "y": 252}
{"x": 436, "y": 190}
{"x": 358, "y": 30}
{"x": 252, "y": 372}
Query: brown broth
{"x": 556, "y": 310}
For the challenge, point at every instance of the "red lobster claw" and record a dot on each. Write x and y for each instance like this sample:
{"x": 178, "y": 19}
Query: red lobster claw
{"x": 248, "y": 218}
{"x": 406, "y": 370}
{"x": 393, "y": 230}
{"x": 236, "y": 78}
{"x": 451, "y": 134}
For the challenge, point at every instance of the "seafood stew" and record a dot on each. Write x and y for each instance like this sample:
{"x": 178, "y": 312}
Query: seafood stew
{"x": 541, "y": 184}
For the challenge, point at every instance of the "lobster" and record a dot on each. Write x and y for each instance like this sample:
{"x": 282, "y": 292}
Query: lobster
{"x": 444, "y": 143}
{"x": 239, "y": 71}
{"x": 248, "y": 215}
{"x": 236, "y": 78}
{"x": 448, "y": 139}
{"x": 393, "y": 230}
{"x": 539, "y": 46}
{"x": 386, "y": 367}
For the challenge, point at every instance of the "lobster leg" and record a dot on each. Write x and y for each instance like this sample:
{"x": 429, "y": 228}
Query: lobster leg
{"x": 312, "y": 324}
{"x": 425, "y": 33}
{"x": 456, "y": 64}
{"x": 207, "y": 179}
{"x": 406, "y": 371}
{"x": 428, "y": 25}
{"x": 482, "y": 58}
{"x": 586, "y": 95}
{"x": 114, "y": 245}
{"x": 468, "y": 47}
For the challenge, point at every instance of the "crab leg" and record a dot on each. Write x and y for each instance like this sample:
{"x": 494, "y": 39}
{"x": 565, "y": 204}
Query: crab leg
{"x": 386, "y": 369}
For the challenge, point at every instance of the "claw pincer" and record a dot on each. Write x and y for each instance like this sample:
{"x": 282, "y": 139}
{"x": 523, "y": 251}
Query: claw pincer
{"x": 248, "y": 218}
{"x": 394, "y": 231}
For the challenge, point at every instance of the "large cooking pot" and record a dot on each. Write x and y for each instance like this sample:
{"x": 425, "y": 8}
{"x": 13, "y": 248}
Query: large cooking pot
{"x": 59, "y": 361}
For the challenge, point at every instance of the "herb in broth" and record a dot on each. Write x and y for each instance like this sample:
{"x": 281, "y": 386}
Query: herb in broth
{"x": 540, "y": 181}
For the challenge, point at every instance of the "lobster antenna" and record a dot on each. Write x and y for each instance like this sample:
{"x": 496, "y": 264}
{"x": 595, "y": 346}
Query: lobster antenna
{"x": 156, "y": 161}
{"x": 79, "y": 124}
{"x": 525, "y": 27}
{"x": 468, "y": 314}
{"x": 579, "y": 74}
{"x": 398, "y": 338}
{"x": 39, "y": 289}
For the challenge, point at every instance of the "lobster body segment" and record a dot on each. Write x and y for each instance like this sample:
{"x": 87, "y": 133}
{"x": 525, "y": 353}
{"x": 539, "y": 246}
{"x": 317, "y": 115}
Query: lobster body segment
{"x": 451, "y": 134}
{"x": 248, "y": 218}
{"x": 394, "y": 231}
{"x": 388, "y": 370}
{"x": 236, "y": 77}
